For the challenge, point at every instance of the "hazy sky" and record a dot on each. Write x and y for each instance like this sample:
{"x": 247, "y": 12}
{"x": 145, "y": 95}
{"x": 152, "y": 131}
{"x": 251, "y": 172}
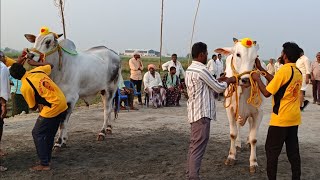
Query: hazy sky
{"x": 122, "y": 24}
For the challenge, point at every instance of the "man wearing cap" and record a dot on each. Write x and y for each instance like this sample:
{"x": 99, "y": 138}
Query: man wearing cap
{"x": 154, "y": 87}
{"x": 4, "y": 96}
{"x": 136, "y": 68}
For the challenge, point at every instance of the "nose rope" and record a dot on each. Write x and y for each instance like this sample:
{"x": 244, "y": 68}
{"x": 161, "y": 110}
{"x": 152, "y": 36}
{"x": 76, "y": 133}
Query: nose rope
{"x": 44, "y": 55}
{"x": 254, "y": 99}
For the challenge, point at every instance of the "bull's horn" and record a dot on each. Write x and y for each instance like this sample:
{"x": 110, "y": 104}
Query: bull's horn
{"x": 235, "y": 40}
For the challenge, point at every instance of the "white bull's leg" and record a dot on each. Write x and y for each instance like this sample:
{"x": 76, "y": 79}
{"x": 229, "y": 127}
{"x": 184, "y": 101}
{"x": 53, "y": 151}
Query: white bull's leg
{"x": 63, "y": 128}
{"x": 107, "y": 99}
{"x": 254, "y": 127}
{"x": 238, "y": 139}
{"x": 233, "y": 135}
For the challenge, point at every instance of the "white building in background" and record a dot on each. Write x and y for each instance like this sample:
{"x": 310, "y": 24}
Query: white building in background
{"x": 142, "y": 52}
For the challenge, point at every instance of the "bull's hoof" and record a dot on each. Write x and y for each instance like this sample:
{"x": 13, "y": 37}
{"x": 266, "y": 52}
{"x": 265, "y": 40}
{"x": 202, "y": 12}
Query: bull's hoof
{"x": 109, "y": 130}
{"x": 253, "y": 169}
{"x": 230, "y": 162}
{"x": 58, "y": 147}
{"x": 238, "y": 149}
{"x": 101, "y": 137}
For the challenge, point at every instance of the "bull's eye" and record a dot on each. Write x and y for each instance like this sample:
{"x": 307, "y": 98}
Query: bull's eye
{"x": 48, "y": 42}
{"x": 238, "y": 55}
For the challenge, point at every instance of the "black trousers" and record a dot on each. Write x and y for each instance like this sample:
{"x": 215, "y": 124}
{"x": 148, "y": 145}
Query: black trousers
{"x": 138, "y": 84}
{"x": 43, "y": 134}
{"x": 275, "y": 139}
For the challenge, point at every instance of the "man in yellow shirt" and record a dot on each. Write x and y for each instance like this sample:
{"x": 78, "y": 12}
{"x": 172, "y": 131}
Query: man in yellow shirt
{"x": 285, "y": 117}
{"x": 38, "y": 88}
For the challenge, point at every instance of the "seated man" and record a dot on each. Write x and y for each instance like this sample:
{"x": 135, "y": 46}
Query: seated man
{"x": 171, "y": 84}
{"x": 153, "y": 86}
{"x": 126, "y": 91}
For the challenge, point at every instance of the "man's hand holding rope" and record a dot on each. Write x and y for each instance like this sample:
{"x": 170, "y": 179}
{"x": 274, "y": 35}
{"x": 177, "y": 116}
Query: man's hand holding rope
{"x": 256, "y": 77}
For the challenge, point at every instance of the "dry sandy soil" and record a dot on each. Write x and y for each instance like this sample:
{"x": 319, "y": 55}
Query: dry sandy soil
{"x": 150, "y": 144}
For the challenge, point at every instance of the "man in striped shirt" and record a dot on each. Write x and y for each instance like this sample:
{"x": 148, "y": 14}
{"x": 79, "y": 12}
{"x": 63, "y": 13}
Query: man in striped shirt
{"x": 201, "y": 86}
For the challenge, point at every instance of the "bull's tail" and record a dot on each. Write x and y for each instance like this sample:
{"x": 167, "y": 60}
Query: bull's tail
{"x": 116, "y": 104}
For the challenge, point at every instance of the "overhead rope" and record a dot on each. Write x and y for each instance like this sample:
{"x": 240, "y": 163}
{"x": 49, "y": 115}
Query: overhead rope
{"x": 193, "y": 27}
{"x": 60, "y": 4}
{"x": 161, "y": 27}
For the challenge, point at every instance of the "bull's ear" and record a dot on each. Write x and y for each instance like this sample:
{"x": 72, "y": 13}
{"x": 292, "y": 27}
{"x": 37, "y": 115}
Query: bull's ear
{"x": 225, "y": 51}
{"x": 30, "y": 37}
{"x": 235, "y": 40}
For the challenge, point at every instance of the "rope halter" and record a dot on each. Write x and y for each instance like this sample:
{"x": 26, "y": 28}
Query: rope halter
{"x": 254, "y": 99}
{"x": 44, "y": 55}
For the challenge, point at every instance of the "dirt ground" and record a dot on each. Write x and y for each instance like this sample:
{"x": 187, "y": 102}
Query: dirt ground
{"x": 150, "y": 144}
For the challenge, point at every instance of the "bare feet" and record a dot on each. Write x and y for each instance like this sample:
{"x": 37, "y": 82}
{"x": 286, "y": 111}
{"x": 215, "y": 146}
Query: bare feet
{"x": 40, "y": 168}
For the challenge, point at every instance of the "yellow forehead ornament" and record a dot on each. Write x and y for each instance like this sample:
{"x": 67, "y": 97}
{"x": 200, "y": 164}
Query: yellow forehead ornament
{"x": 247, "y": 42}
{"x": 44, "y": 31}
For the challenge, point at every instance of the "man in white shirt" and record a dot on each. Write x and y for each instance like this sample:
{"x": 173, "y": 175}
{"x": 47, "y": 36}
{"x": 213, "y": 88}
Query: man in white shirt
{"x": 277, "y": 65}
{"x": 154, "y": 87}
{"x": 303, "y": 64}
{"x": 201, "y": 86}
{"x": 212, "y": 65}
{"x": 174, "y": 63}
{"x": 4, "y": 96}
{"x": 220, "y": 66}
{"x": 270, "y": 67}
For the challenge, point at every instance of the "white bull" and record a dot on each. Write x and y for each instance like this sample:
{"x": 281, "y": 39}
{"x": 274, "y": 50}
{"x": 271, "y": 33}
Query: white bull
{"x": 80, "y": 75}
{"x": 240, "y": 62}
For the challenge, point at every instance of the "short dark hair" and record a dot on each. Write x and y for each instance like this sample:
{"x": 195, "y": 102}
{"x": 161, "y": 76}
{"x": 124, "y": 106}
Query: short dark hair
{"x": 174, "y": 55}
{"x": 219, "y": 54}
{"x": 198, "y": 48}
{"x": 214, "y": 56}
{"x": 17, "y": 71}
{"x": 292, "y": 51}
{"x": 172, "y": 67}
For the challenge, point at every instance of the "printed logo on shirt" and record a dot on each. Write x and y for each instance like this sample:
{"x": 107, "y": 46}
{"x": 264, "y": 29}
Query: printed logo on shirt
{"x": 295, "y": 89}
{"x": 45, "y": 82}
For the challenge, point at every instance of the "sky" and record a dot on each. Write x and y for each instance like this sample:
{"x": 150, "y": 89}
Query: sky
{"x": 124, "y": 24}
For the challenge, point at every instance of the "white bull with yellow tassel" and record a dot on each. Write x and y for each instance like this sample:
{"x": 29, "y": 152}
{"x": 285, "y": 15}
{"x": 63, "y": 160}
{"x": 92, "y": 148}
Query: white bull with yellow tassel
{"x": 243, "y": 100}
{"x": 79, "y": 75}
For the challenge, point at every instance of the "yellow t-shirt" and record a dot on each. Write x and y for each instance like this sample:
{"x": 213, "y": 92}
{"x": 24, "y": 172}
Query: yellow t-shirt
{"x": 46, "y": 88}
{"x": 285, "y": 88}
{"x": 9, "y": 61}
